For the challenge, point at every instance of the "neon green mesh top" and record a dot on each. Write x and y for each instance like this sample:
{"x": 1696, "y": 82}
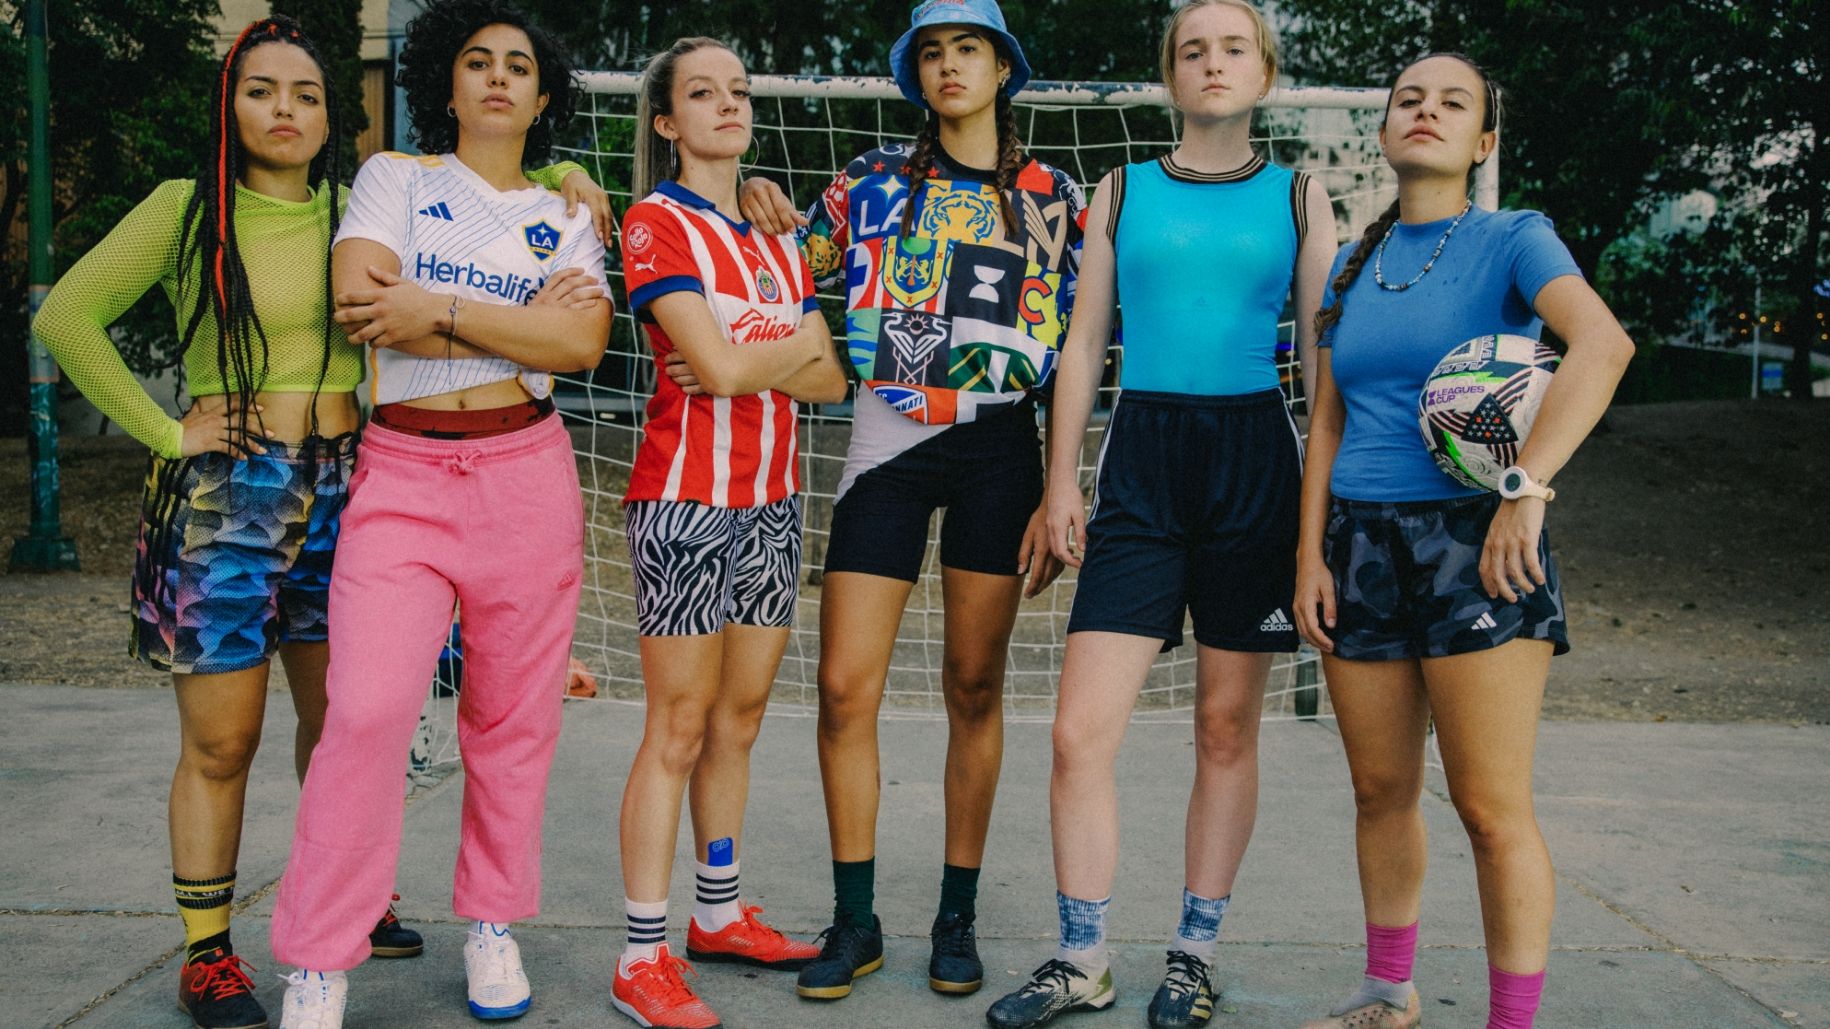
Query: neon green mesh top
{"x": 283, "y": 244}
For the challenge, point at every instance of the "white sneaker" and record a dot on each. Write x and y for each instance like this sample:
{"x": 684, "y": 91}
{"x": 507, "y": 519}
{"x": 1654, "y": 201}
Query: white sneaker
{"x": 314, "y": 1000}
{"x": 498, "y": 986}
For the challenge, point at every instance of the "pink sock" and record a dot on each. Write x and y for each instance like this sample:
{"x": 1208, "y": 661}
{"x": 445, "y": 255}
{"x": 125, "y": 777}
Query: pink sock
{"x": 1514, "y": 998}
{"x": 1390, "y": 953}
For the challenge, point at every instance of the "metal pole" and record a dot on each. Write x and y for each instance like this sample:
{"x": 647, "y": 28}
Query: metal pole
{"x": 1754, "y": 386}
{"x": 45, "y": 548}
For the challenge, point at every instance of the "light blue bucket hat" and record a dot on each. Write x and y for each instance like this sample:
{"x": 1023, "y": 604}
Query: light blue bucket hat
{"x": 982, "y": 13}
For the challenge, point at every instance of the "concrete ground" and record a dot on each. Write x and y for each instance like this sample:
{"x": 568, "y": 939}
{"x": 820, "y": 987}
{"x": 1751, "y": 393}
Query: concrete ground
{"x": 1693, "y": 862}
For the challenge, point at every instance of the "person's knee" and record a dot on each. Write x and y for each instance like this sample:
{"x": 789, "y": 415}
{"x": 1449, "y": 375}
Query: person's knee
{"x": 1496, "y": 826}
{"x": 734, "y": 730}
{"x": 849, "y": 700}
{"x": 974, "y": 688}
{"x": 675, "y": 735}
{"x": 221, "y": 757}
{"x": 1084, "y": 745}
{"x": 1383, "y": 793}
{"x": 1225, "y": 737}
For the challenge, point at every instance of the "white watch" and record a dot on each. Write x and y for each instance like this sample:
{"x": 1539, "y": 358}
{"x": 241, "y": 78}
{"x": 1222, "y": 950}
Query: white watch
{"x": 1516, "y": 482}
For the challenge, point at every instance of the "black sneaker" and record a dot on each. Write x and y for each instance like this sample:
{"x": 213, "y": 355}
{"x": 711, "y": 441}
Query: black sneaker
{"x": 850, "y": 951}
{"x": 1186, "y": 997}
{"x": 954, "y": 966}
{"x": 217, "y": 994}
{"x": 391, "y": 939}
{"x": 1056, "y": 987}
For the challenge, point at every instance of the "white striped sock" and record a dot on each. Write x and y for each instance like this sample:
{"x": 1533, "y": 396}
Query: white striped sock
{"x": 715, "y": 896}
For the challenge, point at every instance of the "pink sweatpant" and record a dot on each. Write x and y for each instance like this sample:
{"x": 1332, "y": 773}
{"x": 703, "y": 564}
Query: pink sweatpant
{"x": 495, "y": 525}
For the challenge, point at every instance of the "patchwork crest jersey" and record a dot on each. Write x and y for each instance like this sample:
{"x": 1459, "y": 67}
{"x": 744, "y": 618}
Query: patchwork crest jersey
{"x": 456, "y": 234}
{"x": 960, "y": 317}
{"x": 736, "y": 452}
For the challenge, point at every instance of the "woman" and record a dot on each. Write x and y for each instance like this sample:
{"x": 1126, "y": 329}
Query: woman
{"x": 1195, "y": 509}
{"x": 1431, "y": 601}
{"x": 960, "y": 255}
{"x": 714, "y": 515}
{"x": 242, "y": 503}
{"x": 467, "y": 494}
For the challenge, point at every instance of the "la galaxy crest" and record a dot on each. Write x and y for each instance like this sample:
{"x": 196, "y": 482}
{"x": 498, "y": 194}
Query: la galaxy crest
{"x": 542, "y": 239}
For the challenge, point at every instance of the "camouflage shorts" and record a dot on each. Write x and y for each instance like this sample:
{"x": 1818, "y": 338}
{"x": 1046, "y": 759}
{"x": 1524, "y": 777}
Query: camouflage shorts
{"x": 1407, "y": 582}
{"x": 243, "y": 558}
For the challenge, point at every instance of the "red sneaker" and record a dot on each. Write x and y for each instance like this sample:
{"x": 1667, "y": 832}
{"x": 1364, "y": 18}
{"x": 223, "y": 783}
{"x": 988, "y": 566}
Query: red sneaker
{"x": 655, "y": 994}
{"x": 748, "y": 941}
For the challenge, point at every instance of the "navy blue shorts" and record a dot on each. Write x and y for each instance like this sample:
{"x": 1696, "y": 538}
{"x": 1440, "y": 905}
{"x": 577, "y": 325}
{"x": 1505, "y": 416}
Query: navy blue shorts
{"x": 1407, "y": 582}
{"x": 987, "y": 474}
{"x": 1194, "y": 511}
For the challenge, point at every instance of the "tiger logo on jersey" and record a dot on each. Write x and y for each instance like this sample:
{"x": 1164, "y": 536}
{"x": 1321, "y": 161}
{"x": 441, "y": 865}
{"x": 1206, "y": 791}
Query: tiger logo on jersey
{"x": 969, "y": 215}
{"x": 542, "y": 239}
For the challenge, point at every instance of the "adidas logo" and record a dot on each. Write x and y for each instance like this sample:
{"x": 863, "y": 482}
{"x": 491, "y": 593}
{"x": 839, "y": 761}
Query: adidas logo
{"x": 1276, "y": 622}
{"x": 439, "y": 211}
{"x": 1485, "y": 621}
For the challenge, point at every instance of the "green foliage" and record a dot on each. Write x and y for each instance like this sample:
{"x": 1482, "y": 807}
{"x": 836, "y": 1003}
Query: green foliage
{"x": 1614, "y": 106}
{"x": 128, "y": 80}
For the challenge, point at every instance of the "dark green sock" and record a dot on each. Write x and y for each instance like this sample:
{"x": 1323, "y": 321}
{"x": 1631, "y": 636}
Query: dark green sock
{"x": 854, "y": 890}
{"x": 959, "y": 891}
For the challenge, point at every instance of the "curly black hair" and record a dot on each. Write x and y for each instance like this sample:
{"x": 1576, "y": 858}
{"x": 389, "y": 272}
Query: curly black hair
{"x": 435, "y": 36}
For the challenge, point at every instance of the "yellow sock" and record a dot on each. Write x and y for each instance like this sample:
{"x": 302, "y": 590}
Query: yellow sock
{"x": 204, "y": 906}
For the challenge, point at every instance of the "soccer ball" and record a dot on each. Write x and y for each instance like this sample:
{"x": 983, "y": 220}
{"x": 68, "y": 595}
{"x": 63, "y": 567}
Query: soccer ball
{"x": 1477, "y": 407}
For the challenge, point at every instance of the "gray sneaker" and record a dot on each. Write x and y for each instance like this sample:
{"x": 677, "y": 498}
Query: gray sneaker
{"x": 1056, "y": 987}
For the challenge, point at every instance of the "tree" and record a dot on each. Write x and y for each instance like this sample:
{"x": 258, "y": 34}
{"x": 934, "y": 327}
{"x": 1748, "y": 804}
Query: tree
{"x": 129, "y": 80}
{"x": 1613, "y": 106}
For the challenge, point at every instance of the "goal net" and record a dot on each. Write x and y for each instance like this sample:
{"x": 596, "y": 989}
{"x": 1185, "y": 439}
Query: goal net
{"x": 808, "y": 128}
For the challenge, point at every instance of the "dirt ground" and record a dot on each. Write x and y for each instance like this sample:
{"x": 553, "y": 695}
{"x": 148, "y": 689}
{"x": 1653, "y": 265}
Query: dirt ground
{"x": 1695, "y": 569}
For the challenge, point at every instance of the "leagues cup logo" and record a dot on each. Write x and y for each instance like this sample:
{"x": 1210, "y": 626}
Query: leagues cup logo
{"x": 765, "y": 285}
{"x": 542, "y": 240}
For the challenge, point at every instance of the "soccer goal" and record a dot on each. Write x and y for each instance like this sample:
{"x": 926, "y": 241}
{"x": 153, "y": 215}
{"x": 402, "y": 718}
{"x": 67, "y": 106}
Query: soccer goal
{"x": 807, "y": 129}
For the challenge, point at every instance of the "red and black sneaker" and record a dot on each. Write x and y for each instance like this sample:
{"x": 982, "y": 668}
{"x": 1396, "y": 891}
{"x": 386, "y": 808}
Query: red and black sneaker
{"x": 216, "y": 992}
{"x": 391, "y": 939}
{"x": 748, "y": 941}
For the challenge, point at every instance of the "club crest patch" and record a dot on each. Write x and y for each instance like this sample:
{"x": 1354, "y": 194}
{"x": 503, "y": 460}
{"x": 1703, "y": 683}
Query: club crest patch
{"x": 542, "y": 239}
{"x": 765, "y": 285}
{"x": 638, "y": 238}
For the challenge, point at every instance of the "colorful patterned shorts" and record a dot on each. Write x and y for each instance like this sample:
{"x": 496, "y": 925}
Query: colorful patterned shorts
{"x": 244, "y": 550}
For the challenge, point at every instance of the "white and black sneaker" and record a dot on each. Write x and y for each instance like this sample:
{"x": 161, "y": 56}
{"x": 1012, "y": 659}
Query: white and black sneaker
{"x": 1057, "y": 987}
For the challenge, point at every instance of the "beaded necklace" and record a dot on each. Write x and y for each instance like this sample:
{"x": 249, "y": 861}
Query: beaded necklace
{"x": 1379, "y": 257}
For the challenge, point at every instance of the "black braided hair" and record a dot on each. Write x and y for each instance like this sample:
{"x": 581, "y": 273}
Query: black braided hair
{"x": 1329, "y": 316}
{"x": 209, "y": 254}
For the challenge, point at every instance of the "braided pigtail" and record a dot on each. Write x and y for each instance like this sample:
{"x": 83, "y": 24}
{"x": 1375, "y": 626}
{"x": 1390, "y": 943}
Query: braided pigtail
{"x": 1326, "y": 318}
{"x": 920, "y": 166}
{"x": 1011, "y": 160}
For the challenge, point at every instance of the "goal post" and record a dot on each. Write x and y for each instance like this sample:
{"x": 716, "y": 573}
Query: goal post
{"x": 807, "y": 128}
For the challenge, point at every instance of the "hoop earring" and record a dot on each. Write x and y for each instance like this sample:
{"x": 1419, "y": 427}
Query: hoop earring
{"x": 450, "y": 112}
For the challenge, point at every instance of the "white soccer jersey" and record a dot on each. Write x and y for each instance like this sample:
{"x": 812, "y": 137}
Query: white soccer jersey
{"x": 456, "y": 234}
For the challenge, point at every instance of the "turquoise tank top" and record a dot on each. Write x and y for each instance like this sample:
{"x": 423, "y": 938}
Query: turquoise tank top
{"x": 1204, "y": 267}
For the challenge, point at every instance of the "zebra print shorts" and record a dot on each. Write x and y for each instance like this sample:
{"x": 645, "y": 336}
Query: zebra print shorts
{"x": 698, "y": 568}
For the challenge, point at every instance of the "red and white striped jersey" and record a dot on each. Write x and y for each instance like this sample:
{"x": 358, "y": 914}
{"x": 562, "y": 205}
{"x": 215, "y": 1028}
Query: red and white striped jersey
{"x": 723, "y": 451}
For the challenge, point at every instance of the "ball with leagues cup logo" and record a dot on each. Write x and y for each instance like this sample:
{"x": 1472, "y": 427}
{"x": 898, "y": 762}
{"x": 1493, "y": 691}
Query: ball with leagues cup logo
{"x": 1477, "y": 407}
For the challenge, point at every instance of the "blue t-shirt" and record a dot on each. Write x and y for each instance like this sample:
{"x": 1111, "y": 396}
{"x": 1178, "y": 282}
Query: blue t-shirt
{"x": 1386, "y": 344}
{"x": 1204, "y": 267}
